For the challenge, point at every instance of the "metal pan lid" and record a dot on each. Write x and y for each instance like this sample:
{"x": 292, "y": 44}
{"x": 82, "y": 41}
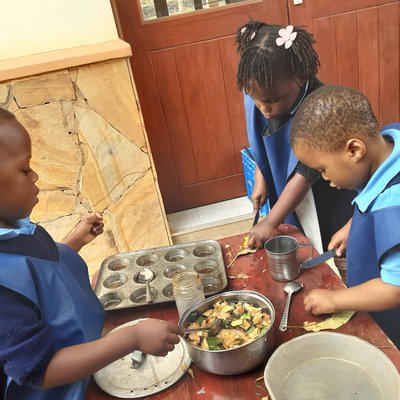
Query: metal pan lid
{"x": 156, "y": 373}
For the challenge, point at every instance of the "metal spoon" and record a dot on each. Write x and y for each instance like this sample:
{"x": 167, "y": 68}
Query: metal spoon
{"x": 213, "y": 329}
{"x": 145, "y": 276}
{"x": 289, "y": 288}
{"x": 137, "y": 358}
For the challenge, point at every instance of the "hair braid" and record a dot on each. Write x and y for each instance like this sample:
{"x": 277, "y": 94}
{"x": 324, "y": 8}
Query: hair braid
{"x": 264, "y": 63}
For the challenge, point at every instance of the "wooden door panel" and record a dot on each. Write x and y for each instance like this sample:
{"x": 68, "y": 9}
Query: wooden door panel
{"x": 234, "y": 98}
{"x": 328, "y": 7}
{"x": 198, "y": 122}
{"x": 368, "y": 59}
{"x": 177, "y": 129}
{"x": 194, "y": 27}
{"x": 221, "y": 143}
{"x": 358, "y": 45}
{"x": 324, "y": 33}
{"x": 185, "y": 74}
{"x": 389, "y": 82}
{"x": 337, "y": 47}
{"x": 305, "y": 13}
{"x": 346, "y": 51}
{"x": 195, "y": 108}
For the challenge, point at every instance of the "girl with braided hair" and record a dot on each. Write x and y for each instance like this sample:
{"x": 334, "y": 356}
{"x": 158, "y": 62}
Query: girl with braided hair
{"x": 277, "y": 70}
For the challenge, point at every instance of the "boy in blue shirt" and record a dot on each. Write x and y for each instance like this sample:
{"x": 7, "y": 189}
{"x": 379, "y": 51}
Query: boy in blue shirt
{"x": 336, "y": 132}
{"x": 50, "y": 319}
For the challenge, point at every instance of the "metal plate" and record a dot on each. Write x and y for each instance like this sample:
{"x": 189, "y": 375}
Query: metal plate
{"x": 330, "y": 366}
{"x": 117, "y": 285}
{"x": 156, "y": 373}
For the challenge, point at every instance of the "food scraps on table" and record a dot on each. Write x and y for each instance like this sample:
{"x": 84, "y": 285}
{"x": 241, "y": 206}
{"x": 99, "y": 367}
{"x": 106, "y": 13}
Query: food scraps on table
{"x": 242, "y": 323}
{"x": 333, "y": 322}
{"x": 240, "y": 275}
{"x": 243, "y": 249}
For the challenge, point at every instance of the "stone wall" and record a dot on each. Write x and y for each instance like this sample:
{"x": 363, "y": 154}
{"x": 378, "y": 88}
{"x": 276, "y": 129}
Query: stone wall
{"x": 89, "y": 148}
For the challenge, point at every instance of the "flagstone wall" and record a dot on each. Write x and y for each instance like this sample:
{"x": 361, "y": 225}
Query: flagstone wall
{"x": 91, "y": 153}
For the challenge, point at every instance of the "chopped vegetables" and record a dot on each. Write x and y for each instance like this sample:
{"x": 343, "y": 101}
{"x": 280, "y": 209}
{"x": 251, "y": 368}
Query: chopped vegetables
{"x": 242, "y": 323}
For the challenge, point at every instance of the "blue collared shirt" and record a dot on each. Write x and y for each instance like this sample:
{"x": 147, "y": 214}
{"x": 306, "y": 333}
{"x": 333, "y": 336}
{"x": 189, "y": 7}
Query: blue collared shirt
{"x": 24, "y": 226}
{"x": 372, "y": 194}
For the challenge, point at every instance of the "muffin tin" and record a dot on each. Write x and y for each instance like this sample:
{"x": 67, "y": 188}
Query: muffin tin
{"x": 118, "y": 286}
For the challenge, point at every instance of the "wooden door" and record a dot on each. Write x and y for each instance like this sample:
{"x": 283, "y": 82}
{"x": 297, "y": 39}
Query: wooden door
{"x": 358, "y": 45}
{"x": 184, "y": 68}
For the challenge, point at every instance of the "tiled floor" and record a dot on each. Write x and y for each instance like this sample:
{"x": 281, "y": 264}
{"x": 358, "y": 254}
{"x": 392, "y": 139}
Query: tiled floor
{"x": 211, "y": 222}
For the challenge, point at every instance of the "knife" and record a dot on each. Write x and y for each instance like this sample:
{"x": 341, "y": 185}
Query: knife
{"x": 319, "y": 259}
{"x": 256, "y": 217}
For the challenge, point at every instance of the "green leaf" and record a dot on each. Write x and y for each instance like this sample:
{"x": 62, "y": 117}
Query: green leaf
{"x": 200, "y": 319}
{"x": 213, "y": 341}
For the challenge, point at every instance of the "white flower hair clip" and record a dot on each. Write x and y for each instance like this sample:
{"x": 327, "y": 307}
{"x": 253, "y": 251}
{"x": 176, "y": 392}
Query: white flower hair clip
{"x": 286, "y": 36}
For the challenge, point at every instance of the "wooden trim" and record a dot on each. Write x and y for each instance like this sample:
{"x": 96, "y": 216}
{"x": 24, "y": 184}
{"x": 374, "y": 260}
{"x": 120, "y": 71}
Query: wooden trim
{"x": 60, "y": 59}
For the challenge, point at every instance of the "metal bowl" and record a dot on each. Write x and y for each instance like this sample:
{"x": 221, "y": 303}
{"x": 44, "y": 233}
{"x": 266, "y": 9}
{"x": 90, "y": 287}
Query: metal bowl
{"x": 242, "y": 358}
{"x": 330, "y": 365}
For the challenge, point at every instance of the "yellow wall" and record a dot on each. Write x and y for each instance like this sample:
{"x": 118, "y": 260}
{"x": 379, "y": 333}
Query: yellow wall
{"x": 36, "y": 26}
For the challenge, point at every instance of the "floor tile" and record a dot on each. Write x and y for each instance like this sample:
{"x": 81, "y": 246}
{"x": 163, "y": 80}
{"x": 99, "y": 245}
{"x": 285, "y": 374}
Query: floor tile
{"x": 209, "y": 216}
{"x": 215, "y": 233}
{"x": 225, "y": 210}
{"x": 182, "y": 219}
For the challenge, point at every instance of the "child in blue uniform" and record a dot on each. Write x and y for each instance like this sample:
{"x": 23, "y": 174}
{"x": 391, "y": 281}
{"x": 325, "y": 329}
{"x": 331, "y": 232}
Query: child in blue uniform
{"x": 277, "y": 70}
{"x": 51, "y": 320}
{"x": 336, "y": 133}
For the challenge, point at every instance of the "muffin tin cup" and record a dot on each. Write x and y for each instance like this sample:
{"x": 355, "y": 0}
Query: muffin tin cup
{"x": 118, "y": 286}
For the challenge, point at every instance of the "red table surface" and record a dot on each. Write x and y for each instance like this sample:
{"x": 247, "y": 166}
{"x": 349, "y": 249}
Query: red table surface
{"x": 247, "y": 386}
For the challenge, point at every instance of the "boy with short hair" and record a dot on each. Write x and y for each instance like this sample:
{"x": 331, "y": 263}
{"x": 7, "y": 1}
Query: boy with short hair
{"x": 336, "y": 132}
{"x": 50, "y": 319}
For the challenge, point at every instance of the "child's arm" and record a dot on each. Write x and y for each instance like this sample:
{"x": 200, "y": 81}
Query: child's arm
{"x": 151, "y": 336}
{"x": 90, "y": 226}
{"x": 259, "y": 194}
{"x": 339, "y": 239}
{"x": 293, "y": 193}
{"x": 374, "y": 295}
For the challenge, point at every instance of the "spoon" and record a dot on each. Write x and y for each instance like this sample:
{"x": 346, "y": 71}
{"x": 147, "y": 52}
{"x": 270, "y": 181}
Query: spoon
{"x": 289, "y": 288}
{"x": 145, "y": 276}
{"x": 213, "y": 329}
{"x": 137, "y": 358}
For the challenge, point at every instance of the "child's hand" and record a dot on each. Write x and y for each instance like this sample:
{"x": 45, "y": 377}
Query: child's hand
{"x": 90, "y": 226}
{"x": 259, "y": 194}
{"x": 156, "y": 337}
{"x": 339, "y": 239}
{"x": 320, "y": 301}
{"x": 259, "y": 234}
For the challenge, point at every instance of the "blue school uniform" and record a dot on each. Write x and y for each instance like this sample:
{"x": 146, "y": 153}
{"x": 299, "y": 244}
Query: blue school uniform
{"x": 50, "y": 305}
{"x": 270, "y": 143}
{"x": 273, "y": 154}
{"x": 373, "y": 245}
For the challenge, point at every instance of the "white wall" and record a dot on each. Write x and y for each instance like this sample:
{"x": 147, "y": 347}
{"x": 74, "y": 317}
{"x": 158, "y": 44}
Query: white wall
{"x": 36, "y": 26}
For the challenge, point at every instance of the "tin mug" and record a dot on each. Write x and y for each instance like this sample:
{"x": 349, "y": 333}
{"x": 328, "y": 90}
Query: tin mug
{"x": 281, "y": 252}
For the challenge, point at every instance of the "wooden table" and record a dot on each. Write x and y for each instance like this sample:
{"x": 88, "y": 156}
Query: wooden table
{"x": 206, "y": 386}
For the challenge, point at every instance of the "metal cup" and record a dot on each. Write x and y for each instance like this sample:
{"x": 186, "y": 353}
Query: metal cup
{"x": 282, "y": 257}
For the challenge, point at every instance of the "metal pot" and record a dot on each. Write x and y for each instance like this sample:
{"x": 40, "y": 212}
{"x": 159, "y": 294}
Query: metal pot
{"x": 242, "y": 358}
